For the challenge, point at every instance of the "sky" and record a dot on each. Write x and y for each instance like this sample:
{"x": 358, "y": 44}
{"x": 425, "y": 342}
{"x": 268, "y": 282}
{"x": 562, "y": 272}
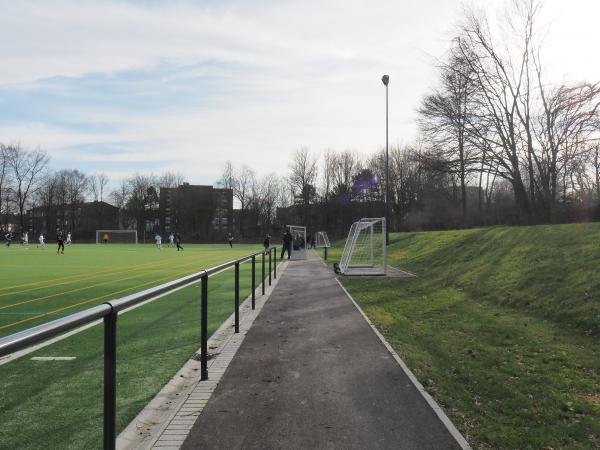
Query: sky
{"x": 149, "y": 86}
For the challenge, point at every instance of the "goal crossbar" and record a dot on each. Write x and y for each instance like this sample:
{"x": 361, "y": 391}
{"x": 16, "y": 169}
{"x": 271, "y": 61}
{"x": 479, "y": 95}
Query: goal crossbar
{"x": 117, "y": 236}
{"x": 365, "y": 250}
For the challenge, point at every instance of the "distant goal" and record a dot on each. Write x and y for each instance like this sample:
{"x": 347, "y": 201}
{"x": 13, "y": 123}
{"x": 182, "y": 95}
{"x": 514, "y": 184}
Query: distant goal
{"x": 321, "y": 240}
{"x": 365, "y": 252}
{"x": 299, "y": 241}
{"x": 116, "y": 237}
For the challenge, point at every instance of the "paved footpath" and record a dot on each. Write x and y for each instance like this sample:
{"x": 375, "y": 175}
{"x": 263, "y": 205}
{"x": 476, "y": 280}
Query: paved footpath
{"x": 311, "y": 373}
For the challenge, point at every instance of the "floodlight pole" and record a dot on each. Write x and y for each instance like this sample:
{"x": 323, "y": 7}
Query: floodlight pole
{"x": 386, "y": 80}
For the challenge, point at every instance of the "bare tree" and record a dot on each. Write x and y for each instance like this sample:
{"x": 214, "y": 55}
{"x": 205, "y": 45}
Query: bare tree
{"x": 26, "y": 168}
{"x": 303, "y": 177}
{"x": 566, "y": 126}
{"x": 444, "y": 120}
{"x": 244, "y": 182}
{"x": 170, "y": 180}
{"x": 97, "y": 183}
{"x": 227, "y": 180}
{"x": 5, "y": 181}
{"x": 501, "y": 74}
{"x": 120, "y": 197}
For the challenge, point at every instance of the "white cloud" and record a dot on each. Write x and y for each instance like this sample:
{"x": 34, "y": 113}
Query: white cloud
{"x": 291, "y": 74}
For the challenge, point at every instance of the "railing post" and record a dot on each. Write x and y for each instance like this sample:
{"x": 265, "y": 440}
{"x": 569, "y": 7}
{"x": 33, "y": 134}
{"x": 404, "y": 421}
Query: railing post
{"x": 110, "y": 381}
{"x": 270, "y": 252}
{"x": 275, "y": 262}
{"x": 253, "y": 281}
{"x": 237, "y": 296}
{"x": 204, "y": 328}
{"x": 263, "y": 273}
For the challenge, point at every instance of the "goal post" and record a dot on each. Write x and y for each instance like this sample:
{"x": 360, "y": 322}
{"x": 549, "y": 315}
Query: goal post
{"x": 298, "y": 241}
{"x": 365, "y": 251}
{"x": 116, "y": 237}
{"x": 321, "y": 240}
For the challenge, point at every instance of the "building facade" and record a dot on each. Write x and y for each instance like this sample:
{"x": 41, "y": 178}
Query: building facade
{"x": 198, "y": 213}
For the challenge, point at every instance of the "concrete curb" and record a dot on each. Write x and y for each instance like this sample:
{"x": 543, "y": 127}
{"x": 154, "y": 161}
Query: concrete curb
{"x": 461, "y": 441}
{"x": 167, "y": 419}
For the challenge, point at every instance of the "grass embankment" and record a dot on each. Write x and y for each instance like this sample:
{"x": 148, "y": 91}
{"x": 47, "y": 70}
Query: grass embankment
{"x": 58, "y": 404}
{"x": 502, "y": 326}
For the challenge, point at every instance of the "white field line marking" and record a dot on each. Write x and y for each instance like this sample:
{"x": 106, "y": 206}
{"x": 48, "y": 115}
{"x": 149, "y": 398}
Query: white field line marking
{"x": 16, "y": 355}
{"x": 53, "y": 358}
{"x": 428, "y": 398}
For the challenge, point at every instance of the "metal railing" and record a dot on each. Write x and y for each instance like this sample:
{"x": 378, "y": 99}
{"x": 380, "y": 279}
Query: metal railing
{"x": 109, "y": 311}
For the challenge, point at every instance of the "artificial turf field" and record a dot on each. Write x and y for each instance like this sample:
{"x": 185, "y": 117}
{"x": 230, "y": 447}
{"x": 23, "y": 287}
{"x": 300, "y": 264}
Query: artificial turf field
{"x": 58, "y": 404}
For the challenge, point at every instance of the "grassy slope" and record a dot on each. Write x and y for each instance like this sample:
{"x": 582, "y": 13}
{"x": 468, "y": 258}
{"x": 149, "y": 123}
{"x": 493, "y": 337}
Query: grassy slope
{"x": 61, "y": 402}
{"x": 501, "y": 326}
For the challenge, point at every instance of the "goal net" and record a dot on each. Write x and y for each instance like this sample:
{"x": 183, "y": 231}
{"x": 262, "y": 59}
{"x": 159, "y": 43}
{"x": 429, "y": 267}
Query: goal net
{"x": 365, "y": 252}
{"x": 321, "y": 240}
{"x": 116, "y": 237}
{"x": 299, "y": 241}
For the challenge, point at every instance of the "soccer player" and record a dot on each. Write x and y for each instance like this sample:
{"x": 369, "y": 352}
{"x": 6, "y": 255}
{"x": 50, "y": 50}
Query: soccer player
{"x": 158, "y": 240}
{"x": 267, "y": 242}
{"x": 230, "y": 239}
{"x": 178, "y": 242}
{"x": 41, "y": 241}
{"x": 105, "y": 238}
{"x": 8, "y": 238}
{"x": 26, "y": 238}
{"x": 61, "y": 242}
{"x": 68, "y": 241}
{"x": 171, "y": 240}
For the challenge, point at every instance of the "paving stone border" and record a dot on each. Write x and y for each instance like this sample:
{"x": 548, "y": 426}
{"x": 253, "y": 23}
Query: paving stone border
{"x": 165, "y": 422}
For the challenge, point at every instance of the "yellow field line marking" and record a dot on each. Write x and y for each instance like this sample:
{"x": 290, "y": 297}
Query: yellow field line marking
{"x": 86, "y": 301}
{"x": 88, "y": 276}
{"x": 72, "y": 278}
{"x": 46, "y": 297}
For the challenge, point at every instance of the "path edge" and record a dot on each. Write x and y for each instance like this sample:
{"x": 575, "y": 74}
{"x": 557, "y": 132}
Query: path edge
{"x": 458, "y": 437}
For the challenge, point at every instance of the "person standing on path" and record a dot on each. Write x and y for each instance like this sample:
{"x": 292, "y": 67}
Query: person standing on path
{"x": 287, "y": 244}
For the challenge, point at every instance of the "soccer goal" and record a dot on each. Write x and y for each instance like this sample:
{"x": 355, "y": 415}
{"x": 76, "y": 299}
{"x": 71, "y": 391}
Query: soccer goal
{"x": 365, "y": 252}
{"x": 116, "y": 237}
{"x": 299, "y": 241}
{"x": 322, "y": 241}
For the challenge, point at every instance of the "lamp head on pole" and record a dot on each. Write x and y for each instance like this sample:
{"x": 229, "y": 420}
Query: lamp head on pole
{"x": 385, "y": 79}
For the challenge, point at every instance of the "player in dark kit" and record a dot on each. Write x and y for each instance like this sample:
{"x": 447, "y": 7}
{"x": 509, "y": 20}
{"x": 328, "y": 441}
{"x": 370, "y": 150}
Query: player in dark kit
{"x": 287, "y": 244}
{"x": 61, "y": 243}
{"x": 178, "y": 242}
{"x": 8, "y": 238}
